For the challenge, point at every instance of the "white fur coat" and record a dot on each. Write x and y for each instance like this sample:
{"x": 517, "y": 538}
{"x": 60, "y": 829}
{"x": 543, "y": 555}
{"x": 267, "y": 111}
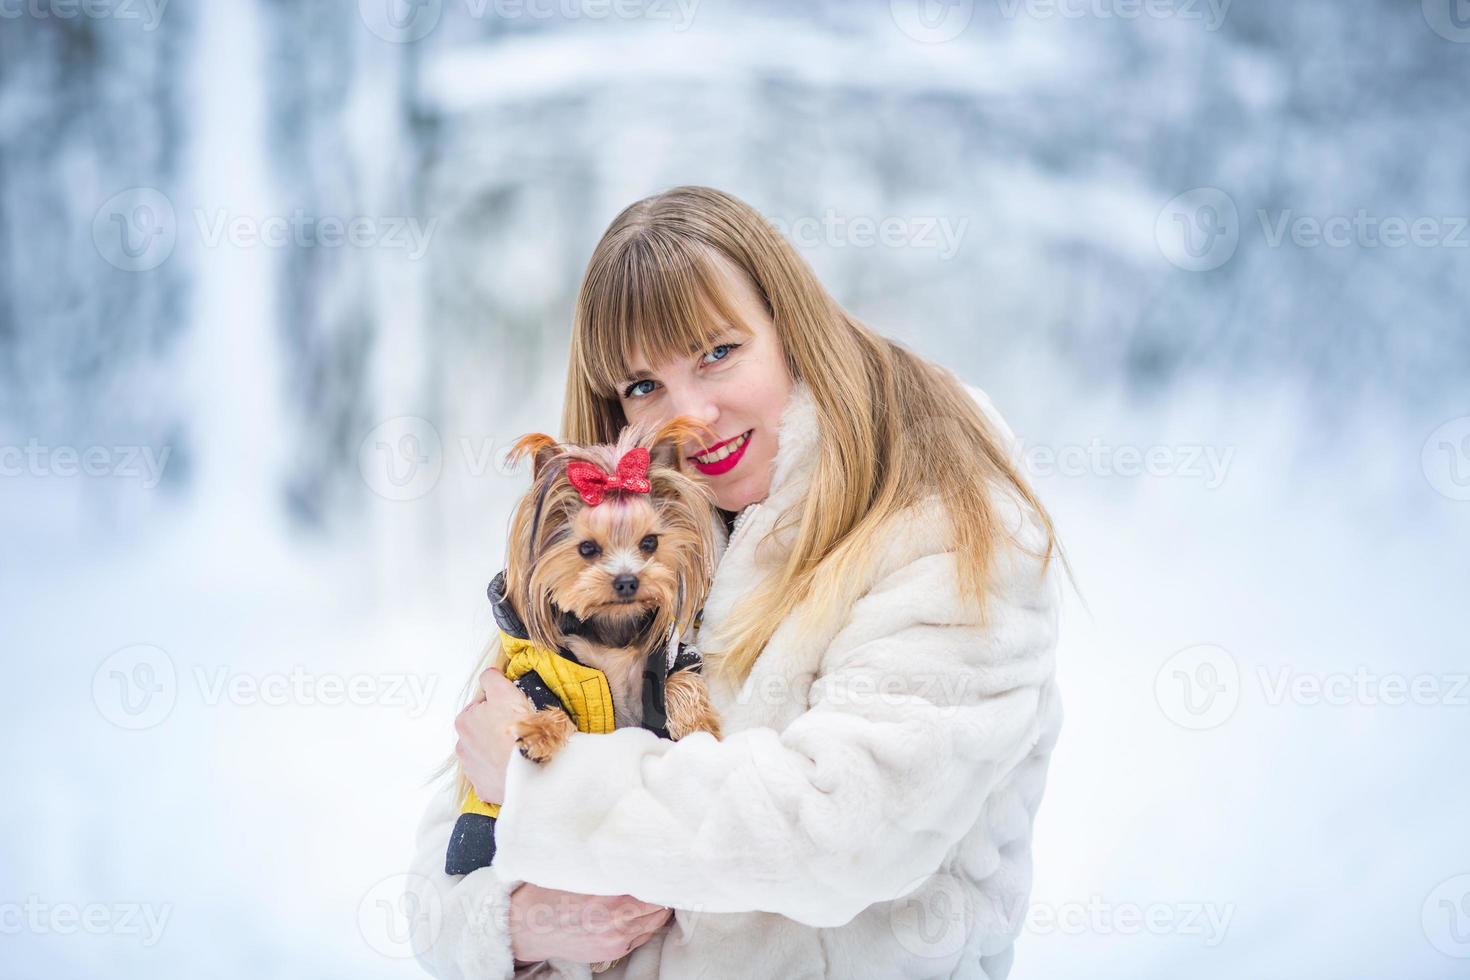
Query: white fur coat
{"x": 867, "y": 814}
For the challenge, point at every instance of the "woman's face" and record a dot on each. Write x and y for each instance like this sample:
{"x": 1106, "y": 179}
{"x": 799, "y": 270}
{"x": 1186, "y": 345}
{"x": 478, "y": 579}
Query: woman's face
{"x": 738, "y": 388}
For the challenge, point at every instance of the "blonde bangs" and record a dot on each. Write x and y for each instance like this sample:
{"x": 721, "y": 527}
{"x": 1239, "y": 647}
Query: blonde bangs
{"x": 654, "y": 295}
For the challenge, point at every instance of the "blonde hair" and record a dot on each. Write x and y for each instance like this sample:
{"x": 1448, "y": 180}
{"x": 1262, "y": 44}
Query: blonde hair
{"x": 896, "y": 428}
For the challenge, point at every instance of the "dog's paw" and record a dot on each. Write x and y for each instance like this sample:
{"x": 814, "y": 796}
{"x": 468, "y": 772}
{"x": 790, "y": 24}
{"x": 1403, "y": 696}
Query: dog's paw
{"x": 541, "y": 735}
{"x": 686, "y": 701}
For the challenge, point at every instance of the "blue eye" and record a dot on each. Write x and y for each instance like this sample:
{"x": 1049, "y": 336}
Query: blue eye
{"x": 633, "y": 390}
{"x": 724, "y": 347}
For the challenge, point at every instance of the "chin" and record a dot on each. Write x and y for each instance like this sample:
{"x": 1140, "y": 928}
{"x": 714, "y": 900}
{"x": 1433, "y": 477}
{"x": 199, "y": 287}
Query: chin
{"x": 741, "y": 499}
{"x": 624, "y": 610}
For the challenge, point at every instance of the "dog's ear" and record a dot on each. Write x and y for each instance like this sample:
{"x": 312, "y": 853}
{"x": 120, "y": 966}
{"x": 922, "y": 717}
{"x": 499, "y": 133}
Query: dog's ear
{"x": 677, "y": 438}
{"x": 541, "y": 448}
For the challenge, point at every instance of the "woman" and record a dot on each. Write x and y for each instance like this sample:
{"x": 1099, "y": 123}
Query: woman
{"x": 879, "y": 640}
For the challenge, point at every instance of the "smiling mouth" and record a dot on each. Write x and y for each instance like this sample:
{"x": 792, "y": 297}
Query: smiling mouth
{"x": 722, "y": 450}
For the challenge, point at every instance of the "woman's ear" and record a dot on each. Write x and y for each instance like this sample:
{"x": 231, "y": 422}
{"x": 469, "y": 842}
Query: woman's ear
{"x": 677, "y": 438}
{"x": 540, "y": 447}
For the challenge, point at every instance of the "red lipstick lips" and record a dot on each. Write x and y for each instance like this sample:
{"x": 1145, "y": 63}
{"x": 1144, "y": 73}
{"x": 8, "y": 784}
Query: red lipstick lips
{"x": 728, "y": 463}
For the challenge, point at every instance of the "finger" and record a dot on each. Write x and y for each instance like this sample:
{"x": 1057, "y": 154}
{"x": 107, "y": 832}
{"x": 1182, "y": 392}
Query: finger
{"x": 647, "y": 922}
{"x": 652, "y": 912}
{"x": 639, "y": 938}
{"x": 642, "y": 933}
{"x": 462, "y": 721}
{"x": 641, "y": 907}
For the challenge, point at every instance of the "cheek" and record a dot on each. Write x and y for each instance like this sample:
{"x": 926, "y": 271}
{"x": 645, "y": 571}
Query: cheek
{"x": 638, "y": 410}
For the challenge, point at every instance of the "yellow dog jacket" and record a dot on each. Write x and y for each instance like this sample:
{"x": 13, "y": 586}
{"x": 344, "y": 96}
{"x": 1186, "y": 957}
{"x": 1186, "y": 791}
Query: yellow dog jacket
{"x": 582, "y": 692}
{"x": 554, "y": 679}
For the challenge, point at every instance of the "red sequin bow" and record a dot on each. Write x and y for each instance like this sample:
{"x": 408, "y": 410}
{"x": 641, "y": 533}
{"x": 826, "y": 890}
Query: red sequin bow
{"x": 592, "y": 482}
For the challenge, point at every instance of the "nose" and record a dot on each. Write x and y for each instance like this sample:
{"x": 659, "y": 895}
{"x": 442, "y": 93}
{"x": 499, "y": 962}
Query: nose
{"x": 625, "y": 586}
{"x": 692, "y": 399}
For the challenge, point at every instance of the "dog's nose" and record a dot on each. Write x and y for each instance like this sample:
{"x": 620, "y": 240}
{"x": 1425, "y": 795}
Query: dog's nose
{"x": 625, "y": 586}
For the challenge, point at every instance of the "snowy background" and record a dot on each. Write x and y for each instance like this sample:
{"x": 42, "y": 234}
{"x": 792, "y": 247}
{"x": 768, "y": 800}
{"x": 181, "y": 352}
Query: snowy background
{"x": 279, "y": 281}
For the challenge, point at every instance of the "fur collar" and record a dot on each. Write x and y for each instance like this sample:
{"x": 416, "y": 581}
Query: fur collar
{"x": 751, "y": 551}
{"x": 798, "y": 435}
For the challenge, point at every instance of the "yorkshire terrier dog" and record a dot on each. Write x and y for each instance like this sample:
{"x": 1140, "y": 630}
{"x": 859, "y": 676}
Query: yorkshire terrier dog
{"x": 610, "y": 559}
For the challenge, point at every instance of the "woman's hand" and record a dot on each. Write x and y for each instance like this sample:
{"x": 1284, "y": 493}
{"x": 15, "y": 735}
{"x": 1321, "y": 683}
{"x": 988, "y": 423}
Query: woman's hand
{"x": 485, "y": 736}
{"x": 546, "y": 923}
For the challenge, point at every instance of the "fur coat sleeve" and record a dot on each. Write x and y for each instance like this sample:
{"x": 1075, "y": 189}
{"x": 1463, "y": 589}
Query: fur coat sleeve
{"x": 463, "y": 931}
{"x": 915, "y": 712}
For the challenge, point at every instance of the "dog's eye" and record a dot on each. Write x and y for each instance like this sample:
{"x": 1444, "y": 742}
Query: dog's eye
{"x": 588, "y": 549}
{"x": 649, "y": 544}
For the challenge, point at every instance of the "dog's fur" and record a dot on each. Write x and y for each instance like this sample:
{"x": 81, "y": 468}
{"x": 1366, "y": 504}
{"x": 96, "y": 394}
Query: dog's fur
{"x": 547, "y": 575}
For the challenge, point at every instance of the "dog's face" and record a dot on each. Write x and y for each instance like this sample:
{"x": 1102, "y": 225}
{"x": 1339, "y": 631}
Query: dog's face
{"x": 613, "y": 562}
{"x": 618, "y": 560}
